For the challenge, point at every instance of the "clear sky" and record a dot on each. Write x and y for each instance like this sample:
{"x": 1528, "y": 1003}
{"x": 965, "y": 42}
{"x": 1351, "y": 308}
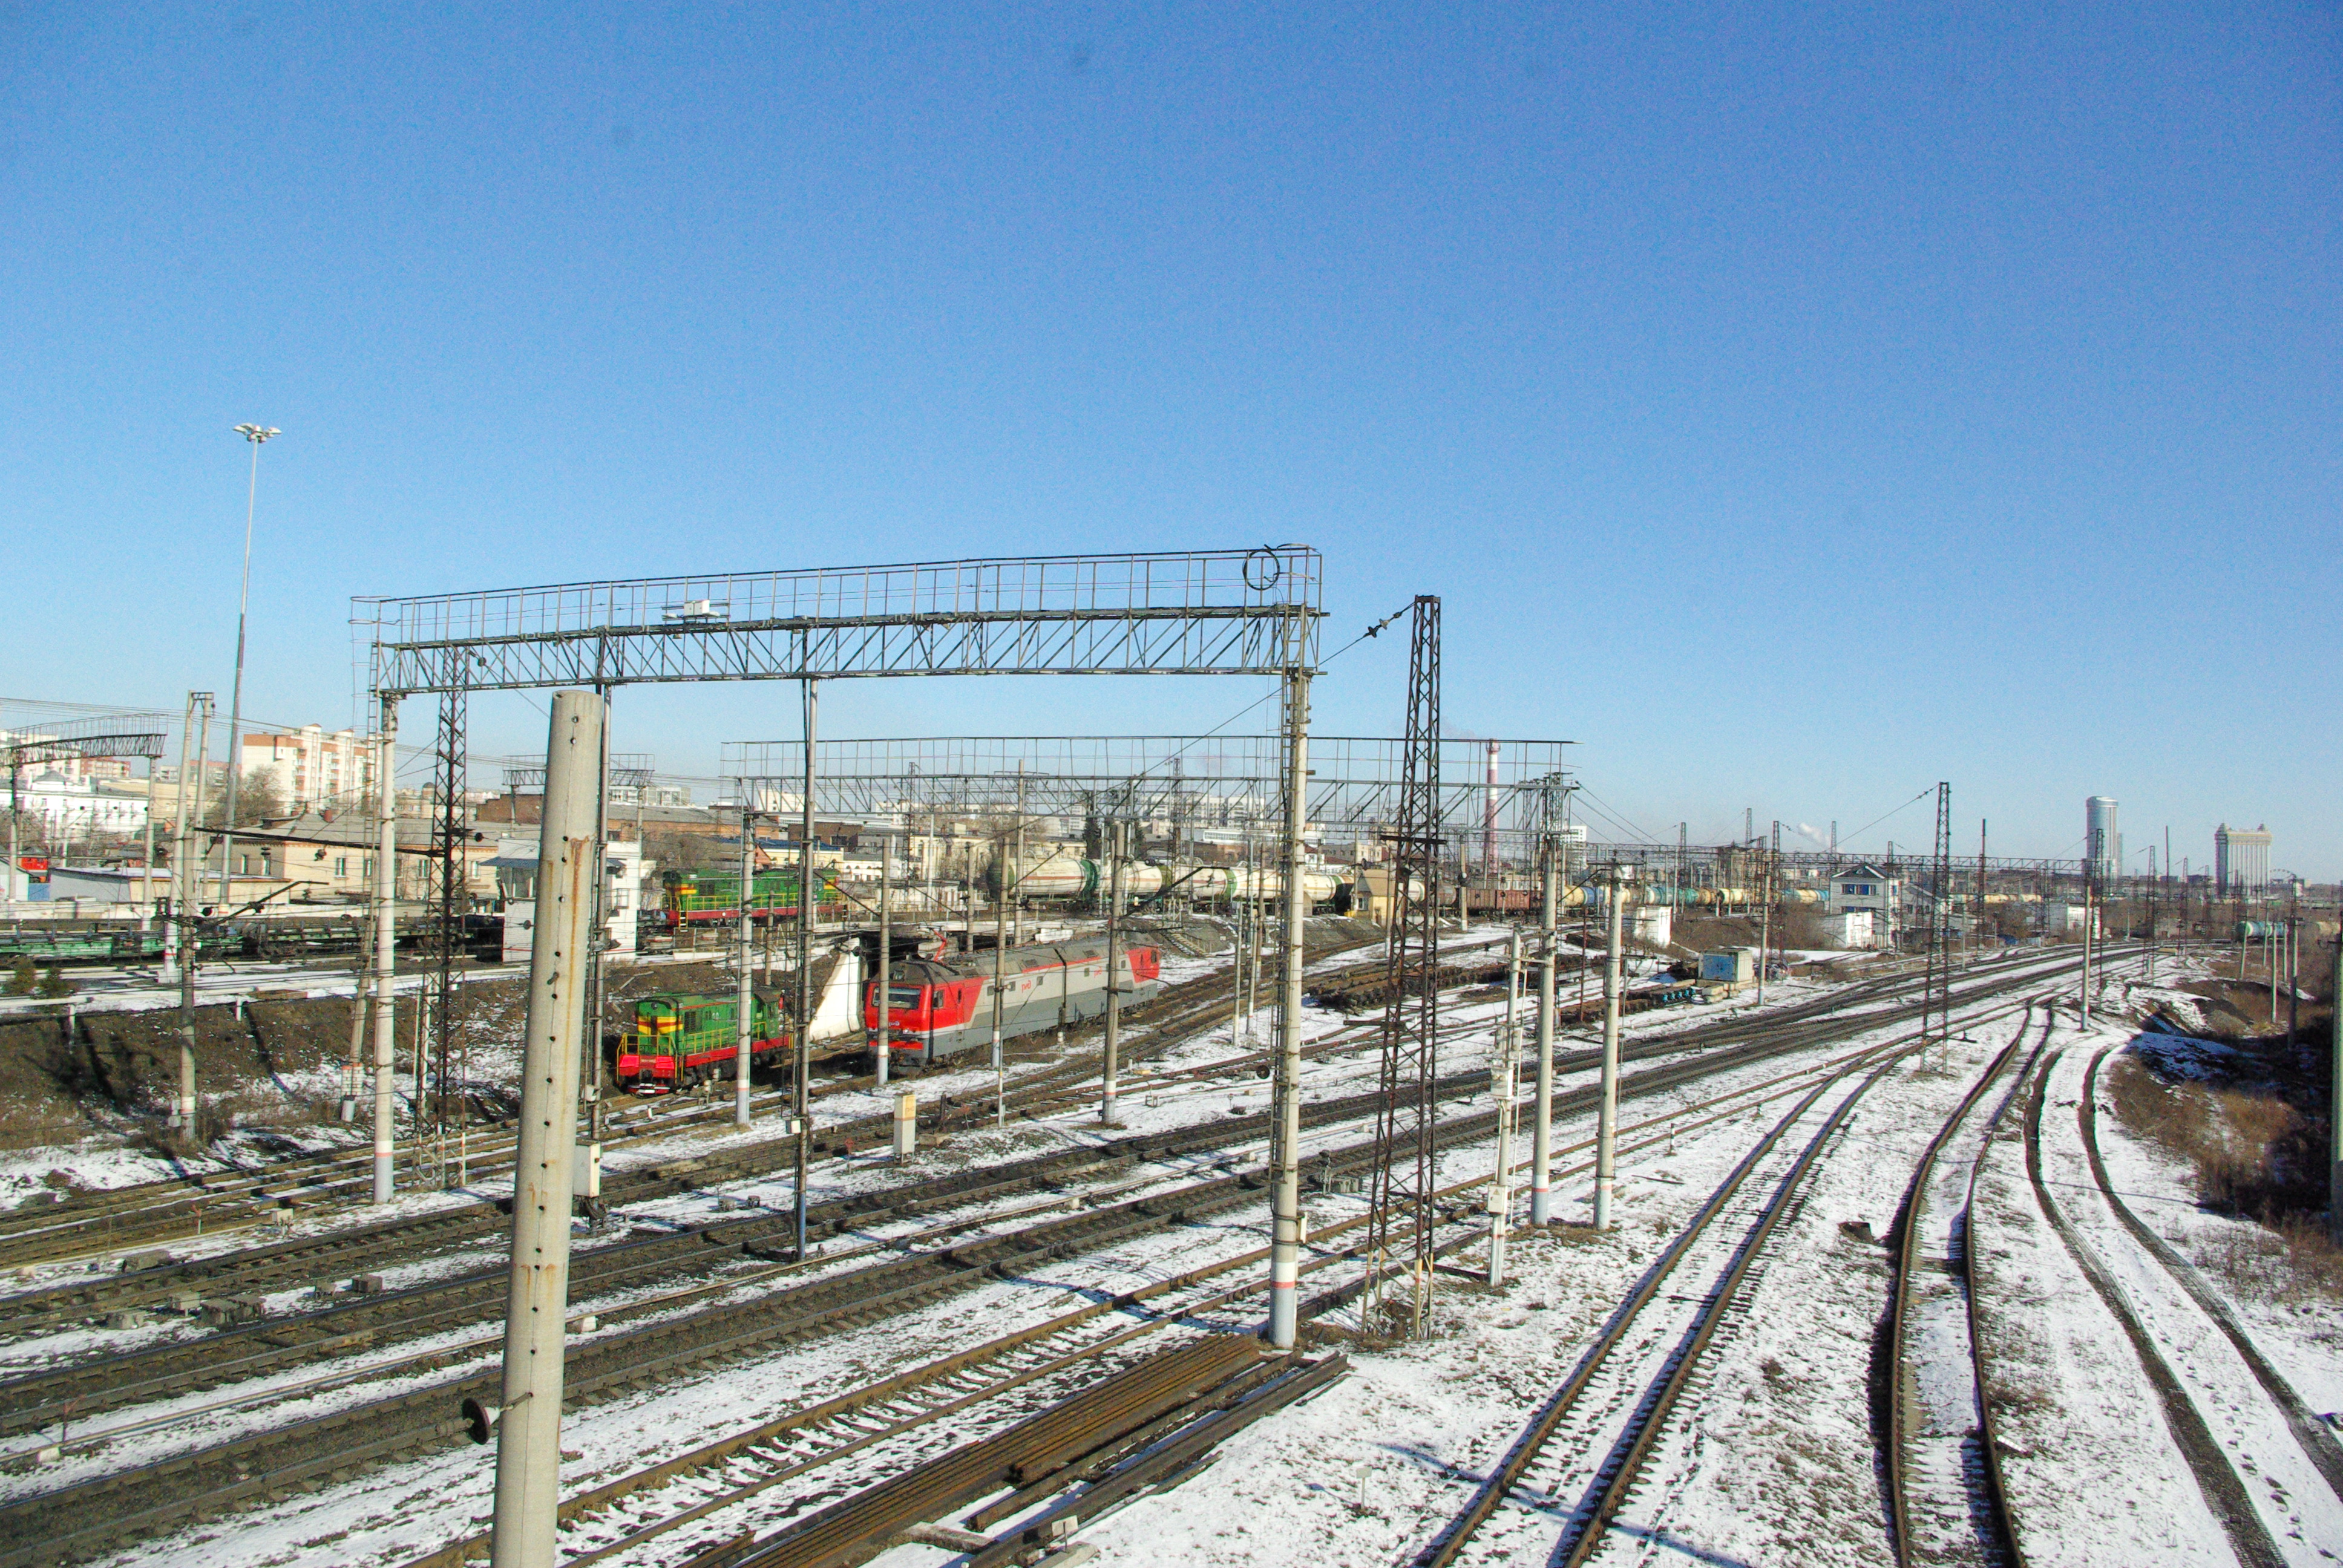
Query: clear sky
{"x": 1793, "y": 404}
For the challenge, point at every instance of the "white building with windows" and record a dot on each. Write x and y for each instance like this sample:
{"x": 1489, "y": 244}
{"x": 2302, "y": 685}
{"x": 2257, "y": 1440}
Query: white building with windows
{"x": 311, "y": 768}
{"x": 1864, "y": 887}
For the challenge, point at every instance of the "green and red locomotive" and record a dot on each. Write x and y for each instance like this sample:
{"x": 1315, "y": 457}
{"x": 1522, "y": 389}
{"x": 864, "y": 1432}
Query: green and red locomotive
{"x": 680, "y": 1039}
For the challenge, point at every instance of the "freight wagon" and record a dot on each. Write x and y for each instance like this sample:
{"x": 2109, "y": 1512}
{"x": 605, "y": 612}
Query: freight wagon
{"x": 937, "y": 1008}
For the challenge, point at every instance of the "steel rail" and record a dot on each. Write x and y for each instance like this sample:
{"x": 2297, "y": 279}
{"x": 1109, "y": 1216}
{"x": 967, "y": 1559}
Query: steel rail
{"x": 164, "y": 1370}
{"x": 323, "y": 1446}
{"x": 2225, "y": 1493}
{"x": 1650, "y": 1418}
{"x": 2316, "y": 1438}
{"x": 1900, "y": 1291}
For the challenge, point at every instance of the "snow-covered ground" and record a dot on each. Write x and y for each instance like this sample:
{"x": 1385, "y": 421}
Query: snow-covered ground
{"x": 1771, "y": 1460}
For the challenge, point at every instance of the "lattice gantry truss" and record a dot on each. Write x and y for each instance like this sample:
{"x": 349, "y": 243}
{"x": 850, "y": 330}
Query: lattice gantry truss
{"x": 1221, "y": 780}
{"x": 1229, "y": 612}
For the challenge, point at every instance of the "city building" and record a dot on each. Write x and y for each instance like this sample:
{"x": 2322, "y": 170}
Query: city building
{"x": 2241, "y": 860}
{"x": 310, "y": 768}
{"x": 82, "y": 809}
{"x": 2102, "y": 841}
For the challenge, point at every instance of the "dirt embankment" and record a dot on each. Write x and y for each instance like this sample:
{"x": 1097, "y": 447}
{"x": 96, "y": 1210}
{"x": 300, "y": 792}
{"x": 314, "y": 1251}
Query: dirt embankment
{"x": 263, "y": 1064}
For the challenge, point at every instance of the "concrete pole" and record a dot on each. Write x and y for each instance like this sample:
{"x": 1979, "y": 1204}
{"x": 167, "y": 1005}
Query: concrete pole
{"x": 885, "y": 1041}
{"x": 2335, "y": 1107}
{"x": 175, "y": 929}
{"x": 1607, "y": 1122}
{"x": 354, "y": 1070}
{"x": 386, "y": 943}
{"x": 745, "y": 1030}
{"x": 1285, "y": 1214}
{"x": 2088, "y": 921}
{"x": 1502, "y": 1080}
{"x": 1114, "y": 971}
{"x": 802, "y": 1070}
{"x": 568, "y": 865}
{"x": 147, "y": 856}
{"x": 1541, "y": 1133}
{"x": 1001, "y": 978}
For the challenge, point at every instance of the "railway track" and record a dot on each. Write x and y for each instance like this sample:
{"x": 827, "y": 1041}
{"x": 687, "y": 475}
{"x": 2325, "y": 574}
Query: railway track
{"x": 1593, "y": 1436}
{"x": 2316, "y": 1438}
{"x": 1945, "y": 1502}
{"x": 2224, "y": 1492}
{"x": 273, "y": 1345}
{"x": 259, "y": 1465}
{"x": 151, "y": 1215}
{"x": 1169, "y": 1022}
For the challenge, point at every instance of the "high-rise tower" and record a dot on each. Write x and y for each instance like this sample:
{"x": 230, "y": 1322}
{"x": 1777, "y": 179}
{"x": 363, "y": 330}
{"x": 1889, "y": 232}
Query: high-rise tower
{"x": 2102, "y": 843}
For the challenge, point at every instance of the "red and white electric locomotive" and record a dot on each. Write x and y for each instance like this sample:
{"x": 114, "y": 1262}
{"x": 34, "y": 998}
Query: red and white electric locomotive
{"x": 937, "y": 1008}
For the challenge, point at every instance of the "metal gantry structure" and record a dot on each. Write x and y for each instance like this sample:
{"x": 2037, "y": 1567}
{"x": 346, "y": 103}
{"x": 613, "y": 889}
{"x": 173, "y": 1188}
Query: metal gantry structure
{"x": 116, "y": 735}
{"x": 1231, "y": 612}
{"x": 1406, "y": 1174}
{"x": 1193, "y": 784}
{"x": 1227, "y": 612}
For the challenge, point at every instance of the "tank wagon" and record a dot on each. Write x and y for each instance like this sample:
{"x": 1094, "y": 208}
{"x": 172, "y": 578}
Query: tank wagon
{"x": 937, "y": 1009}
{"x": 1069, "y": 877}
{"x": 680, "y": 1039}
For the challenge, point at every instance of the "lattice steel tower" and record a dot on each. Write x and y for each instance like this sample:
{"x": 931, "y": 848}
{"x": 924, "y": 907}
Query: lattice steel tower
{"x": 1406, "y": 1172}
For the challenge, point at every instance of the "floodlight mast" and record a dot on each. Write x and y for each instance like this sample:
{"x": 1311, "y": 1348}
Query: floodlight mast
{"x": 255, "y": 435}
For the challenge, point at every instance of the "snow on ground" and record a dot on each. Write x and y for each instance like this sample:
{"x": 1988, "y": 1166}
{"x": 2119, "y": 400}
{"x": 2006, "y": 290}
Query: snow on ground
{"x": 2092, "y": 1474}
{"x": 2301, "y": 1333}
{"x": 1777, "y": 1466}
{"x": 1781, "y": 1455}
{"x": 2302, "y": 1515}
{"x": 1411, "y": 1424}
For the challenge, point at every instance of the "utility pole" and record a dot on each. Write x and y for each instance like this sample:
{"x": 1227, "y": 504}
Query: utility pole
{"x": 1542, "y": 1132}
{"x": 745, "y": 1025}
{"x": 1113, "y": 968}
{"x": 2335, "y": 1102}
{"x": 176, "y": 929}
{"x": 385, "y": 948}
{"x": 1607, "y": 1122}
{"x": 885, "y": 1046}
{"x": 1764, "y": 918}
{"x": 802, "y": 1070}
{"x": 569, "y": 864}
{"x": 255, "y": 435}
{"x": 1285, "y": 1210}
{"x": 999, "y": 977}
{"x": 1501, "y": 1078}
{"x": 187, "y": 874}
{"x": 2090, "y": 917}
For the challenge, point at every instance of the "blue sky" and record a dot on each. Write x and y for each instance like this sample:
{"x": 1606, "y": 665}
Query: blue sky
{"x": 1793, "y": 405}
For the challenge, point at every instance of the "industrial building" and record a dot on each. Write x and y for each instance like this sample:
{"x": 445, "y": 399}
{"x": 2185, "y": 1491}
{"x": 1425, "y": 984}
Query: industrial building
{"x": 2241, "y": 860}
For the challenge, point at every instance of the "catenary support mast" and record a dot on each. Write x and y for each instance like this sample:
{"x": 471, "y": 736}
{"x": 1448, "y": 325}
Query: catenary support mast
{"x": 568, "y": 868}
{"x": 1285, "y": 1218}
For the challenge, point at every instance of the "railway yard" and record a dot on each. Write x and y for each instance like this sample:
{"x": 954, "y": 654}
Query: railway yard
{"x": 1815, "y": 1331}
